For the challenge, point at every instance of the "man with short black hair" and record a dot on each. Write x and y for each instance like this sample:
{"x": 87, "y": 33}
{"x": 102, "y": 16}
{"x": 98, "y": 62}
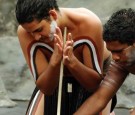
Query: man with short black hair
{"x": 119, "y": 35}
{"x": 40, "y": 34}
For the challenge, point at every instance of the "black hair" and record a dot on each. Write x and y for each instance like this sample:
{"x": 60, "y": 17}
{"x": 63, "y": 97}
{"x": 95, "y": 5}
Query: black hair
{"x": 28, "y": 10}
{"x": 121, "y": 27}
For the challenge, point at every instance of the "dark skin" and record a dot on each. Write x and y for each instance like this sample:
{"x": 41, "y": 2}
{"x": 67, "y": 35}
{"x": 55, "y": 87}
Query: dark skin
{"x": 115, "y": 77}
{"x": 59, "y": 53}
{"x": 78, "y": 62}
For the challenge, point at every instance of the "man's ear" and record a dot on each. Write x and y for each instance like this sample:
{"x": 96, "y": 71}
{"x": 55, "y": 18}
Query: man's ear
{"x": 53, "y": 14}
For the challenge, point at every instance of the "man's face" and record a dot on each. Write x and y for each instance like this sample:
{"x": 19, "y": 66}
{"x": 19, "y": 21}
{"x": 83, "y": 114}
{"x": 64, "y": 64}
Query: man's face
{"x": 122, "y": 53}
{"x": 41, "y": 31}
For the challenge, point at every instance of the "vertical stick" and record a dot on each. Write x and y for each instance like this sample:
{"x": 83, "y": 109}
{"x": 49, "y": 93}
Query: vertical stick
{"x": 61, "y": 79}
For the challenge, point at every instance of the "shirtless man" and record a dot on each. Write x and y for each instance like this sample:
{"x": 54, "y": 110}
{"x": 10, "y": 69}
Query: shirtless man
{"x": 119, "y": 34}
{"x": 41, "y": 38}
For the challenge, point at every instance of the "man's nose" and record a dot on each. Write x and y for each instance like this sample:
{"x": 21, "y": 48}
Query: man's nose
{"x": 115, "y": 57}
{"x": 37, "y": 36}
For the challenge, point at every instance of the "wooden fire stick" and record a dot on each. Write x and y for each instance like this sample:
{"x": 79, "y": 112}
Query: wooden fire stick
{"x": 61, "y": 79}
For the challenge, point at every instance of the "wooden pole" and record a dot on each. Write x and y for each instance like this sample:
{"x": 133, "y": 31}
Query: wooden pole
{"x": 61, "y": 79}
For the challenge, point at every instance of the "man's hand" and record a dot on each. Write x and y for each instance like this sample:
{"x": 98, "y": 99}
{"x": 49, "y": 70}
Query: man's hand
{"x": 68, "y": 54}
{"x": 58, "y": 47}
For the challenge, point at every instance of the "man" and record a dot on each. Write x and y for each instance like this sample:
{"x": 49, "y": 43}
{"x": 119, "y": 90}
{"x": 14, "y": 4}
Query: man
{"x": 41, "y": 38}
{"x": 119, "y": 35}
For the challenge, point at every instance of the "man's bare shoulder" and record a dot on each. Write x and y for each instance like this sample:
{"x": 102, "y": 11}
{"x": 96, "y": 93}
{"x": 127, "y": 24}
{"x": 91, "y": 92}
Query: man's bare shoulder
{"x": 88, "y": 14}
{"x": 82, "y": 10}
{"x": 23, "y": 35}
{"x": 81, "y": 14}
{"x": 87, "y": 23}
{"x": 83, "y": 18}
{"x": 21, "y": 31}
{"x": 89, "y": 18}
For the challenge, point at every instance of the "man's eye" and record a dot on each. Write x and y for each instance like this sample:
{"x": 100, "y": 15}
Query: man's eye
{"x": 117, "y": 51}
{"x": 39, "y": 30}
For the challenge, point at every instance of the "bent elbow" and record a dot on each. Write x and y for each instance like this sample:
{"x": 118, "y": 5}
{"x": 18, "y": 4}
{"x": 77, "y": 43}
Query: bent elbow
{"x": 44, "y": 89}
{"x": 94, "y": 86}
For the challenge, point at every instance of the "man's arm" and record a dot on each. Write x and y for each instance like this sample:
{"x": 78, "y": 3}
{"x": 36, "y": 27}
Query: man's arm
{"x": 86, "y": 67}
{"x": 43, "y": 70}
{"x": 109, "y": 86}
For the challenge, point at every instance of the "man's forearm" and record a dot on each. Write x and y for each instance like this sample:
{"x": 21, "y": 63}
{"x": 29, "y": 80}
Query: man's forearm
{"x": 91, "y": 106}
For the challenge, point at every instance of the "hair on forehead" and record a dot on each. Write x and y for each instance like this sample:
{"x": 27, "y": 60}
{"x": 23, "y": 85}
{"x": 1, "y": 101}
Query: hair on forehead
{"x": 120, "y": 27}
{"x": 28, "y": 10}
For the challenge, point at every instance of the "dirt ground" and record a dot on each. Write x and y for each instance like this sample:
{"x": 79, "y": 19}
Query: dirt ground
{"x": 22, "y": 105}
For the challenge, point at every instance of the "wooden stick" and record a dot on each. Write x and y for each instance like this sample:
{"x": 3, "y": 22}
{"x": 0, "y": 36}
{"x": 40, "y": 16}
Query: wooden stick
{"x": 61, "y": 79}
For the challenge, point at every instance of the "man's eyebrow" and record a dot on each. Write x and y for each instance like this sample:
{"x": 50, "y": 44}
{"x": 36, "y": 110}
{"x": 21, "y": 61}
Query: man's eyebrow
{"x": 37, "y": 30}
{"x": 117, "y": 51}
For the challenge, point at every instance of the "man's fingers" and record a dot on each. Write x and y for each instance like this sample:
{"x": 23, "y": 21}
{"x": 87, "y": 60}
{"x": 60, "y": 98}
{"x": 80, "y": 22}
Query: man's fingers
{"x": 59, "y": 33}
{"x": 69, "y": 37}
{"x": 58, "y": 40}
